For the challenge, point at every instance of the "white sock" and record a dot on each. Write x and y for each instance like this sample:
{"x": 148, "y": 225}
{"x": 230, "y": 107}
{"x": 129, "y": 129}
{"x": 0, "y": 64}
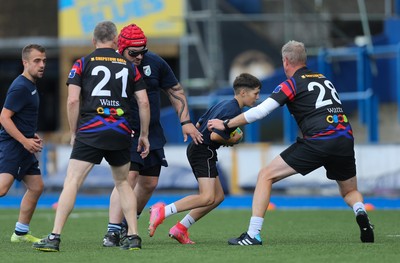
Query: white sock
{"x": 21, "y": 227}
{"x": 357, "y": 206}
{"x": 187, "y": 221}
{"x": 170, "y": 210}
{"x": 255, "y": 226}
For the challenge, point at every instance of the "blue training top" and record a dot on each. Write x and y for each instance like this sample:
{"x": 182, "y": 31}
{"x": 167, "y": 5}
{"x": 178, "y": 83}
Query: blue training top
{"x": 23, "y": 99}
{"x": 223, "y": 110}
{"x": 158, "y": 76}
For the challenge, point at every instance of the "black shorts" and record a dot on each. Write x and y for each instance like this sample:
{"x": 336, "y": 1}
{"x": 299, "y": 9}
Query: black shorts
{"x": 305, "y": 159}
{"x": 16, "y": 160}
{"x": 87, "y": 153}
{"x": 203, "y": 160}
{"x": 151, "y": 165}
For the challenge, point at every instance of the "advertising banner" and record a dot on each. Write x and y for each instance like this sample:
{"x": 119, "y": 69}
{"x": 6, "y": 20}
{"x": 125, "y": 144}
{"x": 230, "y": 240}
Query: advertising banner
{"x": 158, "y": 18}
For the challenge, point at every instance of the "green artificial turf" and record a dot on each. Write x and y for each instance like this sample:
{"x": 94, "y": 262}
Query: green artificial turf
{"x": 288, "y": 236}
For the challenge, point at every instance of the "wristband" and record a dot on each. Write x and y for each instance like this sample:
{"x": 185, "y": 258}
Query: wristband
{"x": 186, "y": 122}
{"x": 225, "y": 122}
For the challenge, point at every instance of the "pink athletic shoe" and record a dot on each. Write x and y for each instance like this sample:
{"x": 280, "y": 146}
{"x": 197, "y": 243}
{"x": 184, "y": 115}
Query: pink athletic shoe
{"x": 180, "y": 233}
{"x": 157, "y": 216}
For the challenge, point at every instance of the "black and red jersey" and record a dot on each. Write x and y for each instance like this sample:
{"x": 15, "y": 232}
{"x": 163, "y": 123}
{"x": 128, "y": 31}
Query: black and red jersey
{"x": 314, "y": 103}
{"x": 108, "y": 82}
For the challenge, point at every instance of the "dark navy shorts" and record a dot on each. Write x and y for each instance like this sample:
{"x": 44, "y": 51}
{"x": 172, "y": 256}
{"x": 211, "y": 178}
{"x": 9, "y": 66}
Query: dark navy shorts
{"x": 151, "y": 165}
{"x": 87, "y": 153}
{"x": 203, "y": 160}
{"x": 305, "y": 159}
{"x": 16, "y": 160}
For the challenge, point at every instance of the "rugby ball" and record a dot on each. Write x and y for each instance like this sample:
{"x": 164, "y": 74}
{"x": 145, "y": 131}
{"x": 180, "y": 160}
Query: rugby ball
{"x": 236, "y": 136}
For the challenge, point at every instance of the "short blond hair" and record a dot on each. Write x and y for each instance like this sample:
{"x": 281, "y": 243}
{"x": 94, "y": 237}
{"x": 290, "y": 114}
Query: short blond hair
{"x": 294, "y": 52}
{"x": 105, "y": 31}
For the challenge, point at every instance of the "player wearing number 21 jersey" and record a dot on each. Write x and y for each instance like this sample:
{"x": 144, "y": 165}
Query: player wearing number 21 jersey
{"x": 100, "y": 88}
{"x": 105, "y": 109}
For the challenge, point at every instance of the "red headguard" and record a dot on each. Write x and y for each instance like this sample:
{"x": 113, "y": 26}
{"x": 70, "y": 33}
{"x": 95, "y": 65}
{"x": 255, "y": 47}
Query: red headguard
{"x": 131, "y": 36}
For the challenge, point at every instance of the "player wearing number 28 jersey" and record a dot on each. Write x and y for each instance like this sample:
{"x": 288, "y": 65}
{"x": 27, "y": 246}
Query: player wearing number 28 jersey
{"x": 313, "y": 101}
{"x": 327, "y": 140}
{"x": 105, "y": 108}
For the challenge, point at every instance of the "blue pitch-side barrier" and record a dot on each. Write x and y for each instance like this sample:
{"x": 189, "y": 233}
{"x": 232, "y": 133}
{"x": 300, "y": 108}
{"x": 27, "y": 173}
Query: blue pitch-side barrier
{"x": 366, "y": 63}
{"x": 364, "y": 79}
{"x": 230, "y": 202}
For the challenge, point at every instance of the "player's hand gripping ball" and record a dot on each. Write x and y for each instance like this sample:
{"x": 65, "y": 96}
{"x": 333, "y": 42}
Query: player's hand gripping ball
{"x": 236, "y": 136}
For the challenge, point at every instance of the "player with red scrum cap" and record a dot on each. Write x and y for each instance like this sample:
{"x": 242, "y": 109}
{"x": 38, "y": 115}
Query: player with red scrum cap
{"x": 144, "y": 173}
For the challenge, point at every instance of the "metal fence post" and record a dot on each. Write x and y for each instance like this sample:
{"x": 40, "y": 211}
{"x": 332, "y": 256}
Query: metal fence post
{"x": 361, "y": 71}
{"x": 372, "y": 106}
{"x": 398, "y": 80}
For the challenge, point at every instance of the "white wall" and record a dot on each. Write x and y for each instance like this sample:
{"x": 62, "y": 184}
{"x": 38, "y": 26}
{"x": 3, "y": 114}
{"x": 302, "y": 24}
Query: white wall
{"x": 378, "y": 169}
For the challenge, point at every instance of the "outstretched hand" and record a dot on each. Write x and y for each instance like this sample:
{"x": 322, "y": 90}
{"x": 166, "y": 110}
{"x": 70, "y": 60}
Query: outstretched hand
{"x": 190, "y": 129}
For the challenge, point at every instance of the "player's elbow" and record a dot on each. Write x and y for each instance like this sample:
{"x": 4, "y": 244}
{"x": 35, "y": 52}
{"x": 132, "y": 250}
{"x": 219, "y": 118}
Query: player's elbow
{"x": 144, "y": 104}
{"x": 4, "y": 119}
{"x": 71, "y": 102}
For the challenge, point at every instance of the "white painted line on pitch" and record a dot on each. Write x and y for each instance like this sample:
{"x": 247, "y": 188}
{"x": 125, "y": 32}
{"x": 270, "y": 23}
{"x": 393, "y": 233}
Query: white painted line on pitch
{"x": 393, "y": 235}
{"x": 88, "y": 214}
{"x": 52, "y": 214}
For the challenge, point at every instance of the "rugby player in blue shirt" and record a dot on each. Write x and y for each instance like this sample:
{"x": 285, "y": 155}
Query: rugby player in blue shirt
{"x": 203, "y": 160}
{"x": 19, "y": 141}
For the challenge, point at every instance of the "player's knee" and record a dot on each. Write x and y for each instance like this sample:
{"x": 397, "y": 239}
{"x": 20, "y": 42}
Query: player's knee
{"x": 37, "y": 188}
{"x": 208, "y": 199}
{"x": 3, "y": 191}
{"x": 265, "y": 174}
{"x": 6, "y": 182}
{"x": 219, "y": 199}
{"x": 152, "y": 185}
{"x": 149, "y": 185}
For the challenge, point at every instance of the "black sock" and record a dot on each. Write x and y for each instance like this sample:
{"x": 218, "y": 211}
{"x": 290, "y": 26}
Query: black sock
{"x": 53, "y": 236}
{"x": 18, "y": 233}
{"x": 132, "y": 236}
